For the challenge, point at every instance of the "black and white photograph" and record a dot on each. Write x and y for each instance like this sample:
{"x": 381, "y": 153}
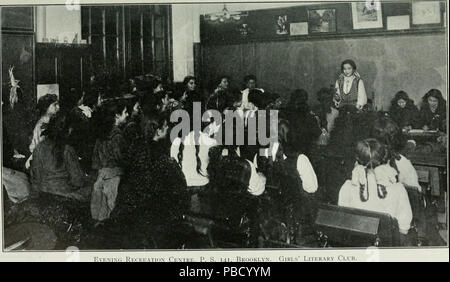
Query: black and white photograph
{"x": 198, "y": 127}
{"x": 367, "y": 14}
{"x": 322, "y": 20}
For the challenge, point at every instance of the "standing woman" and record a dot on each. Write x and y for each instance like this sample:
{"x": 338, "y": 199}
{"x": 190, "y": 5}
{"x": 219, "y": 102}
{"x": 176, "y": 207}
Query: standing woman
{"x": 108, "y": 157}
{"x": 350, "y": 90}
{"x": 433, "y": 113}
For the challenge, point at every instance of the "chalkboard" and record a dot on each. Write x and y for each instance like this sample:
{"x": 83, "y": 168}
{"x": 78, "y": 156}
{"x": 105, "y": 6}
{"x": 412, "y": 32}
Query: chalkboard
{"x": 387, "y": 64}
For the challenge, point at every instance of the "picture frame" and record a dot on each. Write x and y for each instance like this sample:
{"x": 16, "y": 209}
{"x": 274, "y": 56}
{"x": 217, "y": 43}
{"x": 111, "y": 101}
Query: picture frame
{"x": 322, "y": 20}
{"x": 282, "y": 25}
{"x": 367, "y": 15}
{"x": 426, "y": 12}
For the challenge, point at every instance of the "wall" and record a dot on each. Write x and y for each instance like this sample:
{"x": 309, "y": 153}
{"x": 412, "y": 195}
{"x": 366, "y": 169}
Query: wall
{"x": 387, "y": 64}
{"x": 186, "y": 29}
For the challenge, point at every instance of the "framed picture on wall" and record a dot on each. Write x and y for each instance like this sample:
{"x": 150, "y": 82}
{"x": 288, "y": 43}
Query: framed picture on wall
{"x": 322, "y": 20}
{"x": 426, "y": 12}
{"x": 367, "y": 15}
{"x": 282, "y": 23}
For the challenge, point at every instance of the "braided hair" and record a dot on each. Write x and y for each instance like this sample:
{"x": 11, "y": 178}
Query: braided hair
{"x": 197, "y": 147}
{"x": 370, "y": 153}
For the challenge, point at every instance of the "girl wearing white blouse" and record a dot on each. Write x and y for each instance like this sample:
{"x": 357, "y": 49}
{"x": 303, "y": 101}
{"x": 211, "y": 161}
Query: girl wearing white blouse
{"x": 374, "y": 185}
{"x": 349, "y": 87}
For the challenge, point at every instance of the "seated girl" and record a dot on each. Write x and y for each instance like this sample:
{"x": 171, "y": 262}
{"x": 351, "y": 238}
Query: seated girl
{"x": 191, "y": 92}
{"x": 388, "y": 133}
{"x": 227, "y": 166}
{"x": 327, "y": 112}
{"x": 374, "y": 186}
{"x": 47, "y": 107}
{"x": 237, "y": 187}
{"x": 403, "y": 111}
{"x": 55, "y": 168}
{"x": 287, "y": 165}
{"x": 190, "y": 150}
{"x": 433, "y": 114}
{"x": 154, "y": 188}
{"x": 107, "y": 157}
{"x": 131, "y": 129}
{"x": 302, "y": 120}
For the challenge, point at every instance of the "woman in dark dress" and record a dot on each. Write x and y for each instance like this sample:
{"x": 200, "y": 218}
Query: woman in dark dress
{"x": 153, "y": 196}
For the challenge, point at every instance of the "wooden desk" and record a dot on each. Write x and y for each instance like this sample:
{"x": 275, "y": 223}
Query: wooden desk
{"x": 433, "y": 164}
{"x": 424, "y": 136}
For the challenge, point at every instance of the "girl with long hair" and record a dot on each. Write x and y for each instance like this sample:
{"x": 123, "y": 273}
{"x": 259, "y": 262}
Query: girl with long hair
{"x": 55, "y": 168}
{"x": 47, "y": 107}
{"x": 387, "y": 132}
{"x": 374, "y": 185}
{"x": 190, "y": 150}
{"x": 153, "y": 192}
{"x": 107, "y": 157}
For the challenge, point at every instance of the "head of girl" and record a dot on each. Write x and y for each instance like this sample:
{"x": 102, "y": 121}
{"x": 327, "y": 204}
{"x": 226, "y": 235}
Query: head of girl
{"x": 401, "y": 100}
{"x": 133, "y": 106}
{"x": 154, "y": 126}
{"x": 224, "y": 82}
{"x": 370, "y": 153}
{"x": 48, "y": 105}
{"x": 434, "y": 101}
{"x": 57, "y": 131}
{"x": 289, "y": 140}
{"x": 250, "y": 81}
{"x": 325, "y": 97}
{"x": 299, "y": 101}
{"x": 348, "y": 67}
{"x": 112, "y": 114}
{"x": 388, "y": 133}
{"x": 156, "y": 86}
{"x": 255, "y": 99}
{"x": 190, "y": 83}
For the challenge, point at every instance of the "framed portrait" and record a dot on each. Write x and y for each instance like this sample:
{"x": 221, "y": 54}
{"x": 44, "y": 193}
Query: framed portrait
{"x": 426, "y": 12}
{"x": 367, "y": 15}
{"x": 322, "y": 20}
